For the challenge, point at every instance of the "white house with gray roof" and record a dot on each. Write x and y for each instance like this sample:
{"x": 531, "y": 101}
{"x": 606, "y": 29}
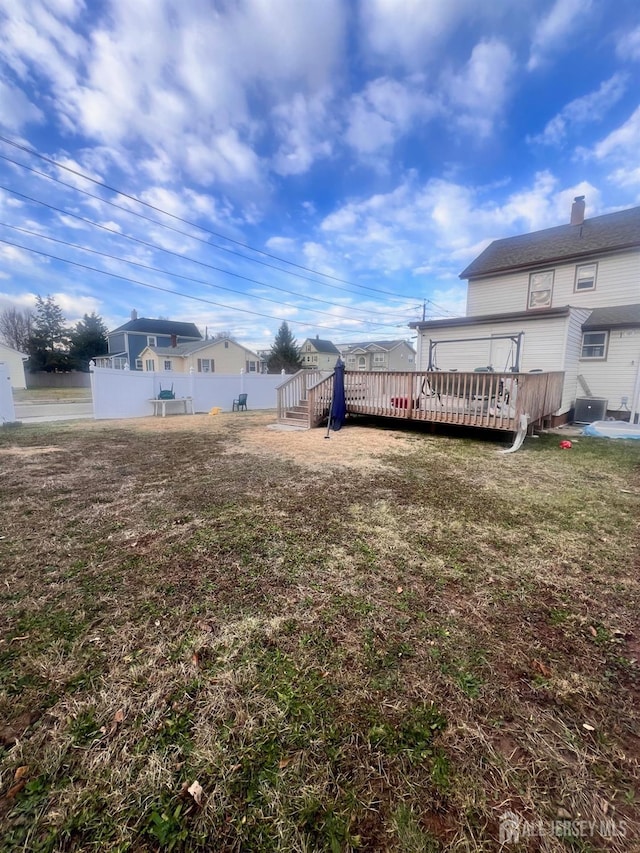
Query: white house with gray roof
{"x": 565, "y": 298}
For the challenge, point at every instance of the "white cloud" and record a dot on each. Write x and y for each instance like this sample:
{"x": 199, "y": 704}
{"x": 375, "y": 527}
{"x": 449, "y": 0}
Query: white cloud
{"x": 34, "y": 35}
{"x": 480, "y": 90}
{"x": 305, "y": 128}
{"x": 628, "y": 178}
{"x": 629, "y": 45}
{"x": 423, "y": 228}
{"x": 16, "y": 109}
{"x": 75, "y": 305}
{"x": 189, "y": 94}
{"x": 624, "y": 142}
{"x": 584, "y": 110}
{"x": 281, "y": 244}
{"x": 555, "y": 29}
{"x": 407, "y": 32}
{"x": 384, "y": 111}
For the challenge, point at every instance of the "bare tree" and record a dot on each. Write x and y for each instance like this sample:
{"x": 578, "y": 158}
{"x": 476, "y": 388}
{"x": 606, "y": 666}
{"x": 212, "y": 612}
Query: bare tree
{"x": 16, "y": 327}
{"x": 222, "y": 336}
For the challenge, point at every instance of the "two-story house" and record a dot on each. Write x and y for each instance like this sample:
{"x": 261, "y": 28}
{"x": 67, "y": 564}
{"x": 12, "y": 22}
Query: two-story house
{"x": 126, "y": 343}
{"x": 317, "y": 354}
{"x": 378, "y": 355}
{"x": 565, "y": 298}
{"x": 222, "y": 355}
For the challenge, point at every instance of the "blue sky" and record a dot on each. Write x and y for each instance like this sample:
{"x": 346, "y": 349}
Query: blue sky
{"x": 333, "y": 163}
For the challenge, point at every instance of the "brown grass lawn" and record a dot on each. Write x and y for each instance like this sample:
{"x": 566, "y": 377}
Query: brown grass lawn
{"x": 218, "y": 637}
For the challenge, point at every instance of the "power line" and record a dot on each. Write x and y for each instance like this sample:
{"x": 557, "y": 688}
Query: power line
{"x": 166, "y": 289}
{"x": 158, "y": 248}
{"x": 160, "y": 270}
{"x": 157, "y": 209}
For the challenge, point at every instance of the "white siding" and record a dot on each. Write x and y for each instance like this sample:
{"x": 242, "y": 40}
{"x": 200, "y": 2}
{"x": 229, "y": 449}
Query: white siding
{"x": 543, "y": 345}
{"x": 618, "y": 283}
{"x": 550, "y": 344}
{"x": 573, "y": 345}
{"x": 14, "y": 364}
{"x": 614, "y": 378}
{"x": 7, "y": 411}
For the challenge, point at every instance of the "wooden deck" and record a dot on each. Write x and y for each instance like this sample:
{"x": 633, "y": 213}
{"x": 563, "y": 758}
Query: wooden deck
{"x": 487, "y": 400}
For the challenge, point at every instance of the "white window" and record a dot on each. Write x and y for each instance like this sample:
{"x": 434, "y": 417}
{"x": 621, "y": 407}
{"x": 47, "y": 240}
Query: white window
{"x": 540, "y": 289}
{"x": 410, "y": 359}
{"x": 205, "y": 365}
{"x": 379, "y": 358}
{"x": 586, "y": 277}
{"x": 351, "y": 359}
{"x": 250, "y": 367}
{"x": 150, "y": 365}
{"x": 167, "y": 364}
{"x": 594, "y": 345}
{"x": 138, "y": 364}
{"x": 152, "y": 341}
{"x": 226, "y": 344}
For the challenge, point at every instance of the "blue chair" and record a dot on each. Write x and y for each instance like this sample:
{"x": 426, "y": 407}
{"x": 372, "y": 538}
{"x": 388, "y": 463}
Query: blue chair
{"x": 240, "y": 403}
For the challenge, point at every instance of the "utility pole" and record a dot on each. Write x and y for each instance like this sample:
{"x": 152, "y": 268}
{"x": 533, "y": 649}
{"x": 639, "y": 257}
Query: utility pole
{"x": 424, "y": 310}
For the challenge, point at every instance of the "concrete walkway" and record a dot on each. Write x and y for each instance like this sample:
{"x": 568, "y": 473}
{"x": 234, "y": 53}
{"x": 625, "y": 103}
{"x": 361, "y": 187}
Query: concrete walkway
{"x": 33, "y": 413}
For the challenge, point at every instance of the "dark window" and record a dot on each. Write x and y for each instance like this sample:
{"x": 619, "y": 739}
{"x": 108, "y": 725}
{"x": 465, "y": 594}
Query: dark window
{"x": 594, "y": 345}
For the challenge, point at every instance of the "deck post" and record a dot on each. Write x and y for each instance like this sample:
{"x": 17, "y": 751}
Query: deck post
{"x": 410, "y": 395}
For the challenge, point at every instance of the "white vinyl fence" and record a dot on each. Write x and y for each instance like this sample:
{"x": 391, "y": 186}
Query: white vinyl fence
{"x": 7, "y": 410}
{"x": 127, "y": 393}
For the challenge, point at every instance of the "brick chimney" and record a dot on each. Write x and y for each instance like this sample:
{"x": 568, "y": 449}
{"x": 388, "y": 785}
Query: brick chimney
{"x": 577, "y": 210}
{"x": 174, "y": 340}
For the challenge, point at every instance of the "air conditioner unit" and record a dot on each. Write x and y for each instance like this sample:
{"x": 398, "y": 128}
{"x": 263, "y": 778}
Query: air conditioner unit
{"x": 590, "y": 409}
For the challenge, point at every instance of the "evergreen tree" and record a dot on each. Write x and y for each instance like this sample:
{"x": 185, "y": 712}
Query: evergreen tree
{"x": 285, "y": 353}
{"x": 88, "y": 339}
{"x": 49, "y": 343}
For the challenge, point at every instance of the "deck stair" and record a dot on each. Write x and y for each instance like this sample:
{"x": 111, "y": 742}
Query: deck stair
{"x": 298, "y": 414}
{"x": 293, "y": 397}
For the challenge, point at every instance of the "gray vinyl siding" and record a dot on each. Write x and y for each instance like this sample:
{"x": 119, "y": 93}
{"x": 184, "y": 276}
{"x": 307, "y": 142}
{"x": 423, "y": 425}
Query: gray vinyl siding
{"x": 117, "y": 343}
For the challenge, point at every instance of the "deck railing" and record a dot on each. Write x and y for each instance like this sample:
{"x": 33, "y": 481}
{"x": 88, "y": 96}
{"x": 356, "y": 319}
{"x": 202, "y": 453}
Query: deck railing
{"x": 490, "y": 400}
{"x": 320, "y": 396}
{"x": 475, "y": 399}
{"x": 294, "y": 390}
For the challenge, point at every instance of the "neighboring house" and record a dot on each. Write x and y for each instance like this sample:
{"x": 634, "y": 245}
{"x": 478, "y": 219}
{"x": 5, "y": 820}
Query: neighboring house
{"x": 14, "y": 363}
{"x": 566, "y": 298}
{"x": 379, "y": 355}
{"x": 127, "y": 342}
{"x": 219, "y": 356}
{"x": 319, "y": 355}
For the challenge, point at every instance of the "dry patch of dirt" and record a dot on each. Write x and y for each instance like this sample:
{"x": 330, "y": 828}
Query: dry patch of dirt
{"x": 353, "y": 446}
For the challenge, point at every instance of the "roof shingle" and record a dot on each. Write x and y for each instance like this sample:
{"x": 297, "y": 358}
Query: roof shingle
{"x": 148, "y": 326}
{"x": 601, "y": 234}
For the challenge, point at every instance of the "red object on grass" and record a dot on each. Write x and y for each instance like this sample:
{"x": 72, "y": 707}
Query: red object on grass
{"x": 565, "y": 445}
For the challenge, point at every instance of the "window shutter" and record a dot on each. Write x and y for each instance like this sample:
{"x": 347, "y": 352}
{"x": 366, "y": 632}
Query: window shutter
{"x": 199, "y": 365}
